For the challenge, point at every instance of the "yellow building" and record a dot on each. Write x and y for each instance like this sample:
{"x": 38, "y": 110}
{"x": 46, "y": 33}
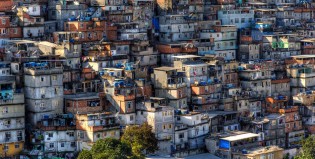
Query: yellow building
{"x": 268, "y": 152}
{"x": 11, "y": 149}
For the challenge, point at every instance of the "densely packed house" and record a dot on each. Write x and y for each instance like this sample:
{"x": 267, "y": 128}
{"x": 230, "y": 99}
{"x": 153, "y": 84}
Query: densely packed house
{"x": 235, "y": 79}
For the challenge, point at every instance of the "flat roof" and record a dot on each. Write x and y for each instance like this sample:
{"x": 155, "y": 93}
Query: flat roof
{"x": 263, "y": 150}
{"x": 165, "y": 68}
{"x": 199, "y": 156}
{"x": 304, "y": 56}
{"x": 22, "y": 41}
{"x": 156, "y": 98}
{"x": 213, "y": 114}
{"x": 240, "y": 137}
{"x": 47, "y": 43}
{"x": 309, "y": 40}
{"x": 186, "y": 56}
{"x": 112, "y": 68}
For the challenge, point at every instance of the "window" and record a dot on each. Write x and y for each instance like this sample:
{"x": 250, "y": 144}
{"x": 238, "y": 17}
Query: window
{"x": 5, "y": 110}
{"x": 72, "y": 144}
{"x": 71, "y": 134}
{"x": 98, "y": 136}
{"x": 6, "y": 148}
{"x": 164, "y": 127}
{"x": 54, "y": 77}
{"x": 81, "y": 25}
{"x": 42, "y": 91}
{"x": 53, "y": 13}
{"x": 19, "y": 133}
{"x": 62, "y": 144}
{"x": 7, "y": 135}
{"x": 236, "y": 20}
{"x": 181, "y": 135}
{"x": 50, "y": 134}
{"x": 42, "y": 79}
{"x": 17, "y": 145}
{"x": 231, "y": 43}
{"x": 81, "y": 135}
{"x": 51, "y": 145}
{"x": 38, "y": 20}
{"x": 131, "y": 118}
{"x": 243, "y": 20}
{"x": 34, "y": 9}
{"x": 170, "y": 126}
{"x": 41, "y": 106}
{"x": 4, "y": 21}
{"x": 129, "y": 105}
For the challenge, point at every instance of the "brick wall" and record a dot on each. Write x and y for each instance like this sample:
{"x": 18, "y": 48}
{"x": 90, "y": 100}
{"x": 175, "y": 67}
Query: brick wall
{"x": 81, "y": 106}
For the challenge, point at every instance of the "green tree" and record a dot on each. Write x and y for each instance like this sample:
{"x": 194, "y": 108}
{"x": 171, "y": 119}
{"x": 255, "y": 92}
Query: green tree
{"x": 109, "y": 148}
{"x": 85, "y": 154}
{"x": 308, "y": 148}
{"x": 141, "y": 138}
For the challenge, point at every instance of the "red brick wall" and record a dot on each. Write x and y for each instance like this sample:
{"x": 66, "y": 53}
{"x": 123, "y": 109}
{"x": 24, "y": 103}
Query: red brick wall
{"x": 167, "y": 49}
{"x": 6, "y": 5}
{"x": 82, "y": 107}
{"x": 7, "y": 21}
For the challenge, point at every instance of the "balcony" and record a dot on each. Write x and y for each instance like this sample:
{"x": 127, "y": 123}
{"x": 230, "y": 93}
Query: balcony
{"x": 226, "y": 100}
{"x": 73, "y": 55}
{"x": 103, "y": 127}
{"x": 148, "y": 51}
{"x": 36, "y": 72}
{"x": 17, "y": 98}
{"x": 229, "y": 122}
{"x": 295, "y": 139}
{"x": 306, "y": 75}
{"x": 176, "y": 85}
{"x": 209, "y": 52}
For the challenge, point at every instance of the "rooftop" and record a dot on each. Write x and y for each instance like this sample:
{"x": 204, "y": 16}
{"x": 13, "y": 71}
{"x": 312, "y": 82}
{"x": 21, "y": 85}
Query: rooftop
{"x": 240, "y": 137}
{"x": 263, "y": 150}
{"x": 165, "y": 68}
{"x": 303, "y": 56}
{"x": 186, "y": 56}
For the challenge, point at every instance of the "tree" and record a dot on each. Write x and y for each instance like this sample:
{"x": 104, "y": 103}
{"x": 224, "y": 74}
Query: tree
{"x": 141, "y": 138}
{"x": 108, "y": 148}
{"x": 308, "y": 148}
{"x": 85, "y": 154}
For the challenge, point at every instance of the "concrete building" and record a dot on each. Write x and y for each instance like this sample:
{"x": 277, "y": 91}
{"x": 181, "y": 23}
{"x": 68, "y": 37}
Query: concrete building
{"x": 260, "y": 152}
{"x": 225, "y": 144}
{"x": 43, "y": 89}
{"x": 157, "y": 113}
{"x": 12, "y": 119}
{"x": 241, "y": 18}
{"x": 170, "y": 84}
{"x": 95, "y": 126}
